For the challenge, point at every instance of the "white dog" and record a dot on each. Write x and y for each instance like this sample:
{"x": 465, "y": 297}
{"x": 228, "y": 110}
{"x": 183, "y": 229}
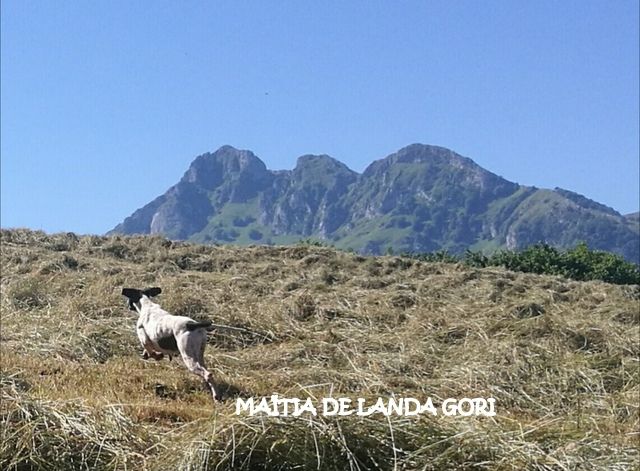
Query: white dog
{"x": 163, "y": 333}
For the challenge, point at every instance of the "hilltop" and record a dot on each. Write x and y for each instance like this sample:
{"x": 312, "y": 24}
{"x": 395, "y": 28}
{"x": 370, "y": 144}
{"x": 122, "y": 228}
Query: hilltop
{"x": 560, "y": 357}
{"x": 420, "y": 199}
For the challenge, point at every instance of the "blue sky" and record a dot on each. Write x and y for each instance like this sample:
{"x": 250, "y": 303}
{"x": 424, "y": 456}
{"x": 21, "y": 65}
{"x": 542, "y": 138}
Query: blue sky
{"x": 105, "y": 103}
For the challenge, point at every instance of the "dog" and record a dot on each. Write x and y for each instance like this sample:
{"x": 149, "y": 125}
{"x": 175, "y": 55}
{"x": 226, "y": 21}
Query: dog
{"x": 163, "y": 333}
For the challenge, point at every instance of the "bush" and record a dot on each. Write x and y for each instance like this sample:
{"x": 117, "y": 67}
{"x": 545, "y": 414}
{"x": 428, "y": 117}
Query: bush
{"x": 579, "y": 263}
{"x": 309, "y": 242}
{"x": 254, "y": 234}
{"x": 438, "y": 256}
{"x": 584, "y": 264}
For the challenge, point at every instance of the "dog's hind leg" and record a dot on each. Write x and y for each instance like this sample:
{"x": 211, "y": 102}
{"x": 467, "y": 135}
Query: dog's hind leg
{"x": 192, "y": 351}
{"x": 196, "y": 368}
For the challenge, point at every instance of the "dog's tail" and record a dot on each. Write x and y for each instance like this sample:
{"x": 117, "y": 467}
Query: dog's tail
{"x": 200, "y": 325}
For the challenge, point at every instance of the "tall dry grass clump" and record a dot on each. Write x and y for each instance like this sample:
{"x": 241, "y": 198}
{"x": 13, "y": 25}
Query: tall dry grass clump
{"x": 560, "y": 357}
{"x": 45, "y": 434}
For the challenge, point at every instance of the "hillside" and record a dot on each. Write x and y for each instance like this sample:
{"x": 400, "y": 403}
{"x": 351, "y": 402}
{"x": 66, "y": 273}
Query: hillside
{"x": 419, "y": 199}
{"x": 560, "y": 358}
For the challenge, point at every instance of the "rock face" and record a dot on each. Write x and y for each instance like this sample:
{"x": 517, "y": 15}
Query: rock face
{"x": 308, "y": 200}
{"x": 421, "y": 198}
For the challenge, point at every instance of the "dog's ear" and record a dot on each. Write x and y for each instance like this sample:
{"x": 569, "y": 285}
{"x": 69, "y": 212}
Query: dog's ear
{"x": 132, "y": 293}
{"x": 151, "y": 292}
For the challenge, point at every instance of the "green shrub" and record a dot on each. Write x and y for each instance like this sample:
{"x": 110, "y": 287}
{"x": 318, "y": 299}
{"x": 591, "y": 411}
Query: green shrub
{"x": 584, "y": 264}
{"x": 310, "y": 242}
{"x": 438, "y": 256}
{"x": 579, "y": 263}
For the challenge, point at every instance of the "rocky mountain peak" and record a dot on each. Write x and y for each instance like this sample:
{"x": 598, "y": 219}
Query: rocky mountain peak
{"x": 431, "y": 157}
{"x": 319, "y": 161}
{"x": 210, "y": 169}
{"x": 322, "y": 170}
{"x": 420, "y": 152}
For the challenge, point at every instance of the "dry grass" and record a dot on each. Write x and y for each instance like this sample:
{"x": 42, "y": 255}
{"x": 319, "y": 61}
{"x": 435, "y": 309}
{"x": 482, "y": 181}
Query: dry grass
{"x": 560, "y": 357}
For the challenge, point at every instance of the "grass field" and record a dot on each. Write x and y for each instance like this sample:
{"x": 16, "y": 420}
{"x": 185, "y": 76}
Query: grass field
{"x": 560, "y": 357}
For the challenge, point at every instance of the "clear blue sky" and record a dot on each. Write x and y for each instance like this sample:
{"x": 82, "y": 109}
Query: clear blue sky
{"x": 105, "y": 103}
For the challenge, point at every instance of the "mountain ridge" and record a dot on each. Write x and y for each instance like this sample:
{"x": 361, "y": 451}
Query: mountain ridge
{"x": 420, "y": 198}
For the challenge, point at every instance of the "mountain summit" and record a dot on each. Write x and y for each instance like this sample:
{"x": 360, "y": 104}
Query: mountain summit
{"x": 421, "y": 198}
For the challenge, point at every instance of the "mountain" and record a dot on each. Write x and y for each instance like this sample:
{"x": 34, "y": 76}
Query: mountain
{"x": 421, "y": 198}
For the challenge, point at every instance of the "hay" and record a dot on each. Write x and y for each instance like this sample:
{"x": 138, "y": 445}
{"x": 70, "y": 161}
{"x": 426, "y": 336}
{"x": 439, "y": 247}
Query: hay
{"x": 560, "y": 357}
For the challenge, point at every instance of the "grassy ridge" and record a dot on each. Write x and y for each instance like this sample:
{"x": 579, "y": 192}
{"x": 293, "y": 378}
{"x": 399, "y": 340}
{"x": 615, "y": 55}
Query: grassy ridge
{"x": 559, "y": 356}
